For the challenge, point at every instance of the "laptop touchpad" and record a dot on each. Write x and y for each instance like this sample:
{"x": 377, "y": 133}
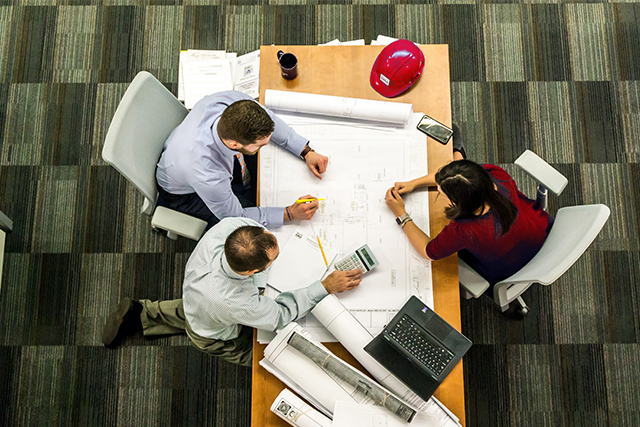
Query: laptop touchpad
{"x": 439, "y": 328}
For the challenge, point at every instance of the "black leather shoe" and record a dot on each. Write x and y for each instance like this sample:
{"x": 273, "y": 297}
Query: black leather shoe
{"x": 122, "y": 322}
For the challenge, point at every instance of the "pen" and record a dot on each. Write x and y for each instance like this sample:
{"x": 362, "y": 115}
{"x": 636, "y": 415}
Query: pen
{"x": 308, "y": 200}
{"x": 322, "y": 250}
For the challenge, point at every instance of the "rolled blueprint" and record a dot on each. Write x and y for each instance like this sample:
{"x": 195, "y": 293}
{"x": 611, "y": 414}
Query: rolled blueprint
{"x": 361, "y": 383}
{"x": 354, "y": 337}
{"x": 294, "y": 411}
{"x": 314, "y": 382}
{"x": 339, "y": 106}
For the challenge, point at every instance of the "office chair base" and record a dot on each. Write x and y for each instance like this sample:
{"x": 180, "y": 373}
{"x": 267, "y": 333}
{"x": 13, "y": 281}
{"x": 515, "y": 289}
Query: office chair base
{"x": 516, "y": 310}
{"x": 522, "y": 307}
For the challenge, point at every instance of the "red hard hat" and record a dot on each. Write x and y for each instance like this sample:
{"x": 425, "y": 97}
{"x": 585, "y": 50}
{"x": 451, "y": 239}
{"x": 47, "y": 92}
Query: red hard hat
{"x": 398, "y": 66}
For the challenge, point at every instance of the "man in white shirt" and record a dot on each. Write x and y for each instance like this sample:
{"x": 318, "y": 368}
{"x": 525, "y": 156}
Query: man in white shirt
{"x": 221, "y": 301}
{"x": 203, "y": 168}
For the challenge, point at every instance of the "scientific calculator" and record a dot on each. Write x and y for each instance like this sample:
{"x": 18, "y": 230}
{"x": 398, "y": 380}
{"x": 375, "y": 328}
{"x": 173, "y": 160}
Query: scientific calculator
{"x": 361, "y": 258}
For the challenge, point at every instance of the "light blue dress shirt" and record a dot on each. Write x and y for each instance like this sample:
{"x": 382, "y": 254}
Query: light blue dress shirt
{"x": 217, "y": 300}
{"x": 195, "y": 160}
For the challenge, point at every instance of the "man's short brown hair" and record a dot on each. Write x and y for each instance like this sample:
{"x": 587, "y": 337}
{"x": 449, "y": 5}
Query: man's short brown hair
{"x": 247, "y": 248}
{"x": 245, "y": 122}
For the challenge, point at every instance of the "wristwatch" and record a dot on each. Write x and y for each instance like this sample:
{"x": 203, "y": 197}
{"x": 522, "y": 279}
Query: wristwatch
{"x": 403, "y": 219}
{"x": 306, "y": 150}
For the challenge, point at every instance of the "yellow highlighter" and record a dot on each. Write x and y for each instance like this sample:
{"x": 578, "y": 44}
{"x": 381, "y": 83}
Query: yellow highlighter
{"x": 308, "y": 200}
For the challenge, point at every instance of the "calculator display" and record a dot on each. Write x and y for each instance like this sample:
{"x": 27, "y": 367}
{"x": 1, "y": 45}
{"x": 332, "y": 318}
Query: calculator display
{"x": 367, "y": 256}
{"x": 362, "y": 258}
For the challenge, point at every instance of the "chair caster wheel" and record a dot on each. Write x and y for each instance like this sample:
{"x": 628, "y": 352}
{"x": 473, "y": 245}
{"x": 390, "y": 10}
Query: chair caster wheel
{"x": 521, "y": 307}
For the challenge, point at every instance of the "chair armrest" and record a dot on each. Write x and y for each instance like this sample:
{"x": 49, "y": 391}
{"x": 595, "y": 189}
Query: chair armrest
{"x": 5, "y": 223}
{"x": 178, "y": 223}
{"x": 2, "y": 239}
{"x": 541, "y": 171}
{"x": 471, "y": 281}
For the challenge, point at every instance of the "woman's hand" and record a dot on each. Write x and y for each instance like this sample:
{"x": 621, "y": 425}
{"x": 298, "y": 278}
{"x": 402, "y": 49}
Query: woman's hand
{"x": 395, "y": 202}
{"x": 404, "y": 187}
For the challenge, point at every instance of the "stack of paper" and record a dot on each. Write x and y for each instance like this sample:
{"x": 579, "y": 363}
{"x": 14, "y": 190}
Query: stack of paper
{"x": 382, "y": 40}
{"x": 205, "y": 72}
{"x": 336, "y": 42}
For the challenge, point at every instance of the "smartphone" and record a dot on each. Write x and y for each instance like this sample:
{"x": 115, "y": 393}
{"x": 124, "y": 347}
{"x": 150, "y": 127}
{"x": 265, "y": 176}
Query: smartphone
{"x": 435, "y": 129}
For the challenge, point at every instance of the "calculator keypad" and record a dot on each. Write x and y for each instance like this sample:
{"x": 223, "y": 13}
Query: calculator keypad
{"x": 350, "y": 263}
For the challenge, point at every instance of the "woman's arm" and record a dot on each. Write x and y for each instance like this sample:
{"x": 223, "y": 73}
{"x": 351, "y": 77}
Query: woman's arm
{"x": 404, "y": 187}
{"x": 428, "y": 180}
{"x": 416, "y": 236}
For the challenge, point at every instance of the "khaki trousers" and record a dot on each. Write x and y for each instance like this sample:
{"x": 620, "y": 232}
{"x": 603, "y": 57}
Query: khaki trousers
{"x": 167, "y": 318}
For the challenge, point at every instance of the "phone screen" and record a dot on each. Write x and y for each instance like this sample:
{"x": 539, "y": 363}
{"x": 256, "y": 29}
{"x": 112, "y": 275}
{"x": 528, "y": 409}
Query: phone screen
{"x": 435, "y": 129}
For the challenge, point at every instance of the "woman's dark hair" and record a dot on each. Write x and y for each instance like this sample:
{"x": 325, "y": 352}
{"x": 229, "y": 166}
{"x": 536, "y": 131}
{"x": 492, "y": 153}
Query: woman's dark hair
{"x": 245, "y": 122}
{"x": 469, "y": 187}
{"x": 247, "y": 248}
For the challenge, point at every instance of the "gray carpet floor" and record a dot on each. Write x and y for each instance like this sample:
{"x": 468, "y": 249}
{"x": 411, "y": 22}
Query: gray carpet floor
{"x": 560, "y": 78}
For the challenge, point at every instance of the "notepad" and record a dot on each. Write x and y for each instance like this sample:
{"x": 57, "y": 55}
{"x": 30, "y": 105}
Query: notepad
{"x": 299, "y": 264}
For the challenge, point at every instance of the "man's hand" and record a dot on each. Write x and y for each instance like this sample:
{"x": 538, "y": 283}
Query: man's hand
{"x": 304, "y": 210}
{"x": 317, "y": 163}
{"x": 395, "y": 202}
{"x": 339, "y": 281}
{"x": 404, "y": 187}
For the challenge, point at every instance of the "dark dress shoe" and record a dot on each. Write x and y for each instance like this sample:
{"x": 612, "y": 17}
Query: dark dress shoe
{"x": 122, "y": 322}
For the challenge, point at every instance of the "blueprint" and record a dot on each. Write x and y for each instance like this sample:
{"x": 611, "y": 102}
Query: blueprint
{"x": 363, "y": 164}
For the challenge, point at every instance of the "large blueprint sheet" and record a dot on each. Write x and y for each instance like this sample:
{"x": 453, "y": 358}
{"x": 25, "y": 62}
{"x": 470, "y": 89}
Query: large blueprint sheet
{"x": 363, "y": 163}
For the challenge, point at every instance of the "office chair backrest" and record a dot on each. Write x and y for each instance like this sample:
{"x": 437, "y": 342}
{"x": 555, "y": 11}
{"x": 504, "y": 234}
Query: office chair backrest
{"x": 574, "y": 228}
{"x": 147, "y": 114}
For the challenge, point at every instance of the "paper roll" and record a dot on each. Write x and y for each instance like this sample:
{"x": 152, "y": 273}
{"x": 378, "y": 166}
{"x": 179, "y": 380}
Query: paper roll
{"x": 354, "y": 337}
{"x": 338, "y": 106}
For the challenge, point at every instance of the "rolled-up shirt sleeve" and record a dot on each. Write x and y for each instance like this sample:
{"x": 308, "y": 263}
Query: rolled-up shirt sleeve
{"x": 272, "y": 314}
{"x": 220, "y": 200}
{"x": 287, "y": 138}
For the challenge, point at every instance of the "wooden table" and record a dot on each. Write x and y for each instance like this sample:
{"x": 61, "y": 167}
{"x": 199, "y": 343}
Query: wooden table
{"x": 344, "y": 71}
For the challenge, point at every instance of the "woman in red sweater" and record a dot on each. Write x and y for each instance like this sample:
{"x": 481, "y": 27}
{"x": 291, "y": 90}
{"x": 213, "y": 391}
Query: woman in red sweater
{"x": 494, "y": 228}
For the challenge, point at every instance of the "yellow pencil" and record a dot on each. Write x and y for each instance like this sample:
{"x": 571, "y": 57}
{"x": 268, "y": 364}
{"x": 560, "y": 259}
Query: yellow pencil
{"x": 322, "y": 250}
{"x": 307, "y": 200}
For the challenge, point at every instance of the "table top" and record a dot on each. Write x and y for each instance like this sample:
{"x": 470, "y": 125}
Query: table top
{"x": 344, "y": 71}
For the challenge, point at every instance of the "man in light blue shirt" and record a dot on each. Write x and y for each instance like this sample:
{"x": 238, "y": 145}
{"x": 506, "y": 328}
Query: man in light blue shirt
{"x": 221, "y": 301}
{"x": 199, "y": 172}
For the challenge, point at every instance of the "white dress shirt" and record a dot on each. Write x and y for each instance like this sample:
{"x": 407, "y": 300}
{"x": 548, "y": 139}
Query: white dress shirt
{"x": 217, "y": 300}
{"x": 195, "y": 160}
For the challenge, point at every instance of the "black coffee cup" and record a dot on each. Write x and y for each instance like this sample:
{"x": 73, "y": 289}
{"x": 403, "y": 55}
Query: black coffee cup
{"x": 288, "y": 65}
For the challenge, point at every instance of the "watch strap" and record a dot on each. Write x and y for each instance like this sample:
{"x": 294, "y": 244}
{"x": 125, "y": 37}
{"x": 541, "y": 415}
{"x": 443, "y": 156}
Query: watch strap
{"x": 402, "y": 219}
{"x": 306, "y": 150}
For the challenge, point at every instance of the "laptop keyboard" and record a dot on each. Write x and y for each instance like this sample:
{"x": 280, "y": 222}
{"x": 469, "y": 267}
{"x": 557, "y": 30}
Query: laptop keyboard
{"x": 413, "y": 338}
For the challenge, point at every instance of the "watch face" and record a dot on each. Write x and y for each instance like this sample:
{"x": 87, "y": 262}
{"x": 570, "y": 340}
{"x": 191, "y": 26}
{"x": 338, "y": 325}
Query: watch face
{"x": 398, "y": 221}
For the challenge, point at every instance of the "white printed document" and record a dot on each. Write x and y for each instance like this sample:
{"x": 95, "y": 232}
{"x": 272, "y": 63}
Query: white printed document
{"x": 300, "y": 262}
{"x": 363, "y": 164}
{"x": 205, "y": 77}
{"x": 247, "y": 74}
{"x": 204, "y": 72}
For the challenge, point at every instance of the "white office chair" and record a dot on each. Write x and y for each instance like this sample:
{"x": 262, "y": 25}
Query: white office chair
{"x": 147, "y": 114}
{"x": 6, "y": 226}
{"x": 574, "y": 229}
